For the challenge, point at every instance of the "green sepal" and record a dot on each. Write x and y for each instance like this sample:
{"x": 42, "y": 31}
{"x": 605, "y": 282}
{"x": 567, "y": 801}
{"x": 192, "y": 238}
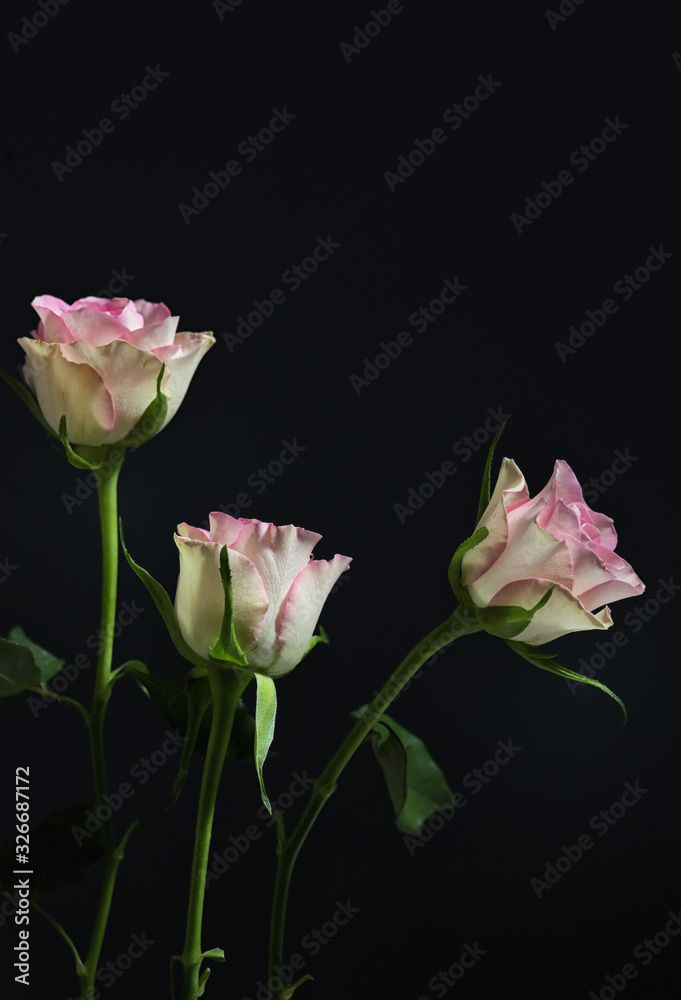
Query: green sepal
{"x": 57, "y": 860}
{"x": 96, "y": 453}
{"x": 508, "y": 621}
{"x": 322, "y": 637}
{"x": 28, "y": 399}
{"x": 485, "y": 494}
{"x": 460, "y": 591}
{"x": 416, "y": 785}
{"x": 151, "y": 421}
{"x": 227, "y": 648}
{"x": 160, "y": 598}
{"x": 265, "y": 715}
{"x": 545, "y": 662}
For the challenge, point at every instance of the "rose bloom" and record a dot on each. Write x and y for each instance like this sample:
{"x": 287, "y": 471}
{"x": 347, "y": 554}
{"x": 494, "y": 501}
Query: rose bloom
{"x": 278, "y": 591}
{"x": 552, "y": 540}
{"x": 97, "y": 363}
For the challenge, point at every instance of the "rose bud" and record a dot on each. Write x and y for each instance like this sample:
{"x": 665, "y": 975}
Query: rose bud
{"x": 97, "y": 363}
{"x": 278, "y": 591}
{"x": 553, "y": 540}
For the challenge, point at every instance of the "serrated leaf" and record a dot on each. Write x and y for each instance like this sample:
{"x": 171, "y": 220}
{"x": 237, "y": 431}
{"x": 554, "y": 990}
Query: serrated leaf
{"x": 18, "y": 669}
{"x": 47, "y": 663}
{"x": 62, "y": 850}
{"x": 545, "y": 661}
{"x": 265, "y": 715}
{"x": 160, "y": 598}
{"x": 416, "y": 785}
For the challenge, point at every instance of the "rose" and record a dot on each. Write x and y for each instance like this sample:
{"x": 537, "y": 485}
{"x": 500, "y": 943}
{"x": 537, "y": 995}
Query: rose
{"x": 278, "y": 591}
{"x": 553, "y": 540}
{"x": 97, "y": 363}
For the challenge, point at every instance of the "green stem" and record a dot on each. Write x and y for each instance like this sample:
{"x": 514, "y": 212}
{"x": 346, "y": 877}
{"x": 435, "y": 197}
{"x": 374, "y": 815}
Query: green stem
{"x": 461, "y": 622}
{"x": 108, "y": 515}
{"x": 227, "y": 686}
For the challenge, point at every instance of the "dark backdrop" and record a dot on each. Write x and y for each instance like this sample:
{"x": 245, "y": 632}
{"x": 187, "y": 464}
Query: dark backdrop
{"x": 357, "y": 103}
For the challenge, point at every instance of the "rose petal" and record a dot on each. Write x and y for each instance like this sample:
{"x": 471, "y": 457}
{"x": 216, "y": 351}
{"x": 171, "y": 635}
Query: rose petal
{"x": 510, "y": 489}
{"x": 562, "y": 613}
{"x": 182, "y": 365}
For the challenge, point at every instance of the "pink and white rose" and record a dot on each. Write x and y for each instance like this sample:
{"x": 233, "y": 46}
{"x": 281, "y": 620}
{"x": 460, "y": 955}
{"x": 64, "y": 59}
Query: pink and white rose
{"x": 278, "y": 590}
{"x": 551, "y": 540}
{"x": 97, "y": 363}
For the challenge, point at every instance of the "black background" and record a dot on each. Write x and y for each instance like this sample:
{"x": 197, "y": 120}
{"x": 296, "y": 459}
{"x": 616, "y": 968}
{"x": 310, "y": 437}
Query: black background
{"x": 324, "y": 177}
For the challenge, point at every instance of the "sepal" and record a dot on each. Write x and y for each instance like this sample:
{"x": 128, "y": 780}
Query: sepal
{"x": 164, "y": 604}
{"x": 545, "y": 661}
{"x": 227, "y": 648}
{"x": 508, "y": 621}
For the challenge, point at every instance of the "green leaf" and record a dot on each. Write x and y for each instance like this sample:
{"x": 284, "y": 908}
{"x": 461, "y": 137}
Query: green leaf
{"x": 27, "y": 399}
{"x": 265, "y": 715}
{"x": 416, "y": 785}
{"x": 151, "y": 421}
{"x": 486, "y": 476}
{"x": 164, "y": 605}
{"x": 215, "y": 953}
{"x": 181, "y": 705}
{"x": 508, "y": 621}
{"x": 227, "y": 647}
{"x": 460, "y": 591}
{"x": 545, "y": 662}
{"x": 62, "y": 849}
{"x": 47, "y": 664}
{"x": 18, "y": 669}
